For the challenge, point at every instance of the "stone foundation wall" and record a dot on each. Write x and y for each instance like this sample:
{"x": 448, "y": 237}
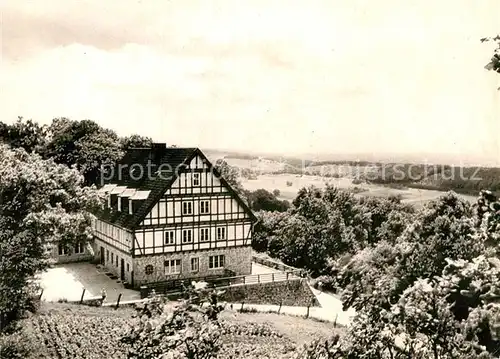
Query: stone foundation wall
{"x": 112, "y": 265}
{"x": 238, "y": 260}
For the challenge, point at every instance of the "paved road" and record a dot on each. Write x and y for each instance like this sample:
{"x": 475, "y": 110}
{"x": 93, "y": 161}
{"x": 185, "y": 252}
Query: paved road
{"x": 330, "y": 310}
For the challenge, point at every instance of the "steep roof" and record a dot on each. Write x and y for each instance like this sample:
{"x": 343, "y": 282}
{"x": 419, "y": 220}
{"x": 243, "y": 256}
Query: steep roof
{"x": 126, "y": 173}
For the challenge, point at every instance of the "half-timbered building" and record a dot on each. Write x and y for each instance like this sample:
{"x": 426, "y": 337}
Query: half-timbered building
{"x": 168, "y": 215}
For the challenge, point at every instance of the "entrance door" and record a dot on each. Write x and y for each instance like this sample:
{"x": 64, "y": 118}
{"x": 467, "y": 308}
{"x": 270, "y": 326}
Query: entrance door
{"x": 102, "y": 256}
{"x": 122, "y": 269}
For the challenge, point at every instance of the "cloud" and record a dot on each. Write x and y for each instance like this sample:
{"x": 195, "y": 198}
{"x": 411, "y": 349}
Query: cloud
{"x": 326, "y": 76}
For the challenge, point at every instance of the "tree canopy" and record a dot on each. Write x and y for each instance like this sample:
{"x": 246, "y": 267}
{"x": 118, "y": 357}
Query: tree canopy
{"x": 41, "y": 203}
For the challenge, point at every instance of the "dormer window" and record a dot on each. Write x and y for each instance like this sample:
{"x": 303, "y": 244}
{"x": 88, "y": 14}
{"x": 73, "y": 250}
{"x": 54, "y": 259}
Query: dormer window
{"x": 130, "y": 208}
{"x": 196, "y": 179}
{"x": 119, "y": 204}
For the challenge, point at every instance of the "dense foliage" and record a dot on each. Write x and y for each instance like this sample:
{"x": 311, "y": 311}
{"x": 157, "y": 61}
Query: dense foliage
{"x": 263, "y": 200}
{"x": 41, "y": 203}
{"x": 83, "y": 144}
{"x": 430, "y": 293}
{"x": 324, "y": 225}
{"x": 494, "y": 64}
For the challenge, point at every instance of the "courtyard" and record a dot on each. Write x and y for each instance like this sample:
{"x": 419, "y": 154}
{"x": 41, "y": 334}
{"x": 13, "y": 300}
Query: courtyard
{"x": 66, "y": 281}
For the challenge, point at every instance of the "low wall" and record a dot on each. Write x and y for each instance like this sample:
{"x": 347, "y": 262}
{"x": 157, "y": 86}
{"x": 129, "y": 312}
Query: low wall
{"x": 273, "y": 264}
{"x": 294, "y": 292}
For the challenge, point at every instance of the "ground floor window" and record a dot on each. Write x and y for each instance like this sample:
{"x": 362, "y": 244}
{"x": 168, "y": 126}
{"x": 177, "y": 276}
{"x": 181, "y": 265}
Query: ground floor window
{"x": 172, "y": 266}
{"x": 107, "y": 255}
{"x": 62, "y": 250}
{"x": 79, "y": 248}
{"x": 215, "y": 262}
{"x": 112, "y": 258}
{"x": 195, "y": 264}
{"x": 128, "y": 268}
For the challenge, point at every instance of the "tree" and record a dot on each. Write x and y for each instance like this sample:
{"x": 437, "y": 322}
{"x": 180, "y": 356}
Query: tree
{"x": 265, "y": 232}
{"x": 136, "y": 141}
{"x": 41, "y": 203}
{"x": 264, "y": 200}
{"x": 186, "y": 331}
{"x": 494, "y": 64}
{"x": 26, "y": 134}
{"x": 230, "y": 174}
{"x": 83, "y": 144}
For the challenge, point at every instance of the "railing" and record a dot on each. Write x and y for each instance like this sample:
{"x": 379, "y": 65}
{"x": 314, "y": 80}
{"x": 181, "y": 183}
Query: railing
{"x": 173, "y": 286}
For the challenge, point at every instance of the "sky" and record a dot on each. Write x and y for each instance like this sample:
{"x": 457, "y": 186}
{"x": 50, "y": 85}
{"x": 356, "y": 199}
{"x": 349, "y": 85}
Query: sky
{"x": 289, "y": 77}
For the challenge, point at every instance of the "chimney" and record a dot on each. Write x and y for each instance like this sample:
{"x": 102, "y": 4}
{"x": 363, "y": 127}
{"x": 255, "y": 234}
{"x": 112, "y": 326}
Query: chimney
{"x": 159, "y": 146}
{"x": 157, "y": 151}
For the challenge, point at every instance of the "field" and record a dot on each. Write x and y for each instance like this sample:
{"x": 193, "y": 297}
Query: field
{"x": 71, "y": 331}
{"x": 415, "y": 196}
{"x": 270, "y": 176}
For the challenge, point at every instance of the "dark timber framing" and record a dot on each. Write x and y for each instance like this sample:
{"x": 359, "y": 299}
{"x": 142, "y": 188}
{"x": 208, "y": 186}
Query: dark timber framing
{"x": 159, "y": 215}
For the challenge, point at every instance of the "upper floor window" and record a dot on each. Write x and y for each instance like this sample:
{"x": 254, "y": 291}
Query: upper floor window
{"x": 204, "y": 234}
{"x": 196, "y": 179}
{"x": 187, "y": 236}
{"x": 169, "y": 237}
{"x": 79, "y": 248}
{"x": 221, "y": 233}
{"x": 187, "y": 208}
{"x": 204, "y": 207}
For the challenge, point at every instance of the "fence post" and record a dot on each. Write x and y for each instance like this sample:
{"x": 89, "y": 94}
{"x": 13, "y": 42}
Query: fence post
{"x": 241, "y": 309}
{"x": 273, "y": 277}
{"x": 287, "y": 276}
{"x": 244, "y": 279}
{"x": 118, "y": 301}
{"x": 307, "y": 315}
{"x": 279, "y": 309}
{"x": 83, "y": 293}
{"x": 40, "y": 297}
{"x": 335, "y": 322}
{"x": 258, "y": 278}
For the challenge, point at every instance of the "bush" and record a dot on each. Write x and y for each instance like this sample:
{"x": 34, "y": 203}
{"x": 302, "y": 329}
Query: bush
{"x": 289, "y": 183}
{"x": 14, "y": 346}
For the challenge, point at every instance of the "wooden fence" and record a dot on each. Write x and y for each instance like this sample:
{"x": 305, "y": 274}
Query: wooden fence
{"x": 173, "y": 286}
